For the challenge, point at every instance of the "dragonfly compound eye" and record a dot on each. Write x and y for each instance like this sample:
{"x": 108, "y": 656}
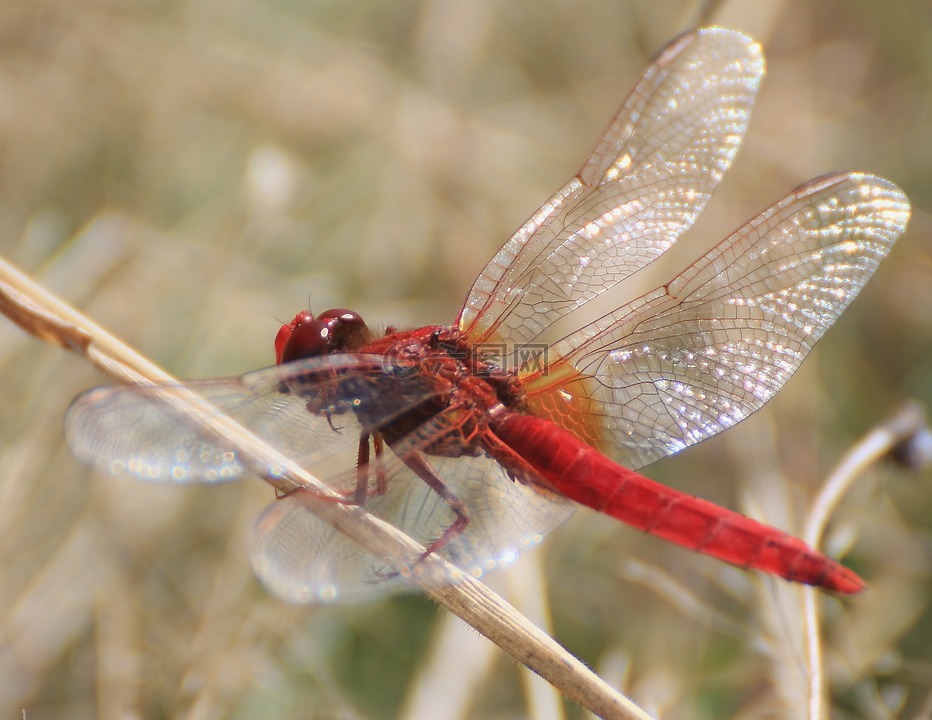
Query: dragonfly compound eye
{"x": 347, "y": 329}
{"x": 331, "y": 331}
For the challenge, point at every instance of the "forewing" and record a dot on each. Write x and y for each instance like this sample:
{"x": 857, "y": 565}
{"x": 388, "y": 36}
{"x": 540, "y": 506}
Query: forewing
{"x": 647, "y": 181}
{"x": 142, "y": 431}
{"x": 698, "y": 355}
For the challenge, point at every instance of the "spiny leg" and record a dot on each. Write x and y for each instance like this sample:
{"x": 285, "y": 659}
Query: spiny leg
{"x": 358, "y": 496}
{"x": 415, "y": 461}
{"x": 426, "y": 473}
{"x": 362, "y": 467}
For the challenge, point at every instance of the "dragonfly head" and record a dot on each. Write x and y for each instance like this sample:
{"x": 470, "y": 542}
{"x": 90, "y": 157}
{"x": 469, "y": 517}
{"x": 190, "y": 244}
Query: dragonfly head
{"x": 307, "y": 336}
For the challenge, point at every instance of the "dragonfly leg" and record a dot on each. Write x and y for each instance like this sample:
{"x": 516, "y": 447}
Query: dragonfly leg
{"x": 363, "y": 466}
{"x": 423, "y": 470}
{"x": 381, "y": 482}
{"x": 357, "y": 496}
{"x": 415, "y": 461}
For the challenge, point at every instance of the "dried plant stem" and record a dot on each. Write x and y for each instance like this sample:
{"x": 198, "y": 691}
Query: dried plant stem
{"x": 49, "y": 318}
{"x": 877, "y": 444}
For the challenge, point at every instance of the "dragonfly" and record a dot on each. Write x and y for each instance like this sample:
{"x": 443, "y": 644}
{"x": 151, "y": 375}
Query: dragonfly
{"x": 477, "y": 438}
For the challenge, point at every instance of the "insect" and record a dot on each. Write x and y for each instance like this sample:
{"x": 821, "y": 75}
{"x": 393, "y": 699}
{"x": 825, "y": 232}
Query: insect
{"x": 478, "y": 437}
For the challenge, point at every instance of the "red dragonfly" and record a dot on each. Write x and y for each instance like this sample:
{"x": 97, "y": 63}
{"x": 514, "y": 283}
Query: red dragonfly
{"x": 472, "y": 437}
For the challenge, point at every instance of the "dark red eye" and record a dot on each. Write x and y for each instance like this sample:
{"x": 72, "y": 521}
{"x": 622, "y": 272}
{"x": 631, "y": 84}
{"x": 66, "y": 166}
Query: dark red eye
{"x": 286, "y": 331}
{"x": 347, "y": 317}
{"x": 331, "y": 331}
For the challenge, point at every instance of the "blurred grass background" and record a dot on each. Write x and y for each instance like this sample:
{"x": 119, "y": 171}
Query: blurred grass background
{"x": 191, "y": 172}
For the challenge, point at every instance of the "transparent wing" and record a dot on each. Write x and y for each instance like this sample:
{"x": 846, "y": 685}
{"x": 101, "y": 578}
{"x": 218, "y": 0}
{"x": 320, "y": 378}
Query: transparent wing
{"x": 646, "y": 182}
{"x": 302, "y": 559}
{"x": 137, "y": 430}
{"x": 309, "y": 411}
{"x": 699, "y": 354}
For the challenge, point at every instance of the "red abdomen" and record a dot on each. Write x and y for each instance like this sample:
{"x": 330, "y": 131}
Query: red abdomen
{"x": 586, "y": 476}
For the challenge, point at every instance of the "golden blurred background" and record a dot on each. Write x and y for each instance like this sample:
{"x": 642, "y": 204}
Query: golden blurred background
{"x": 191, "y": 172}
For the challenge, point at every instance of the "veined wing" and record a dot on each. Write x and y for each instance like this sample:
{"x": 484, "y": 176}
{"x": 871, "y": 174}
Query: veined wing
{"x": 302, "y": 559}
{"x": 701, "y": 353}
{"x": 135, "y": 430}
{"x": 138, "y": 430}
{"x": 647, "y": 181}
